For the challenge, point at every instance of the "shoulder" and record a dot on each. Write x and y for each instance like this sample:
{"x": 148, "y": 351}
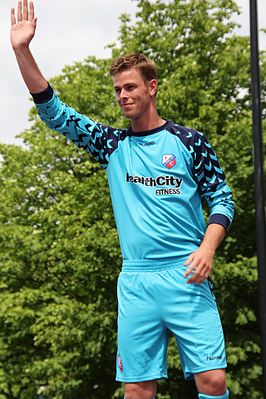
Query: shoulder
{"x": 112, "y": 133}
{"x": 191, "y": 138}
{"x": 184, "y": 132}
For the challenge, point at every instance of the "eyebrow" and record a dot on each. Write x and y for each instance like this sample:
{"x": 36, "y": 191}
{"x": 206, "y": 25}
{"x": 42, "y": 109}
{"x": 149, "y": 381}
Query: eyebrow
{"x": 127, "y": 84}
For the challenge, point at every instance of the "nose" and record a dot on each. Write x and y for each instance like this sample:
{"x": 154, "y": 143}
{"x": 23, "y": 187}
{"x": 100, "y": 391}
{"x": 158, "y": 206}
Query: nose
{"x": 123, "y": 94}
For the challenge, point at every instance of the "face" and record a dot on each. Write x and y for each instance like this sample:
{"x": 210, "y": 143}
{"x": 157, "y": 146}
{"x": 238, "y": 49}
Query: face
{"x": 134, "y": 96}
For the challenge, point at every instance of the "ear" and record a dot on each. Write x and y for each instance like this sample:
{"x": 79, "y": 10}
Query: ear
{"x": 153, "y": 87}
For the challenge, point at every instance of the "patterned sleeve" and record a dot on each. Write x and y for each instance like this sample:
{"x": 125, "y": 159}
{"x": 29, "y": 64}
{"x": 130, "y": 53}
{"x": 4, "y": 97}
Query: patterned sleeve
{"x": 211, "y": 179}
{"x": 97, "y": 139}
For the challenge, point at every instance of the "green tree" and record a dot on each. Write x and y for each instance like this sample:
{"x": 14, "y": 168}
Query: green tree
{"x": 59, "y": 263}
{"x": 59, "y": 251}
{"x": 60, "y": 259}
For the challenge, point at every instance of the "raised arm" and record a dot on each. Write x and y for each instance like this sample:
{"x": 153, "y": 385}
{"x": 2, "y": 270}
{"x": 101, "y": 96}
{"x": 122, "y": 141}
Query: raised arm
{"x": 99, "y": 140}
{"x": 23, "y": 27}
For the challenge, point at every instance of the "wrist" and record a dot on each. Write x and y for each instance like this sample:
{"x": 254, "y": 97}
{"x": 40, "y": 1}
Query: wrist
{"x": 208, "y": 247}
{"x": 21, "y": 49}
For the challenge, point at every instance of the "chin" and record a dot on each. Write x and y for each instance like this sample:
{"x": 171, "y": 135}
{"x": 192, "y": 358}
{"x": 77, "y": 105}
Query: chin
{"x": 129, "y": 115}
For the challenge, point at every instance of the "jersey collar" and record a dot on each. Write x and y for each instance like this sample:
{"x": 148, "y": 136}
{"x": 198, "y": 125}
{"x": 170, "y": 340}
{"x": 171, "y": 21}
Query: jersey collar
{"x": 149, "y": 132}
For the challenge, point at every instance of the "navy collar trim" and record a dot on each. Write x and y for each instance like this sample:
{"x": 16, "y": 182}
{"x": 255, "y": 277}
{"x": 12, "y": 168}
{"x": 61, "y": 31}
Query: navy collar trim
{"x": 149, "y": 132}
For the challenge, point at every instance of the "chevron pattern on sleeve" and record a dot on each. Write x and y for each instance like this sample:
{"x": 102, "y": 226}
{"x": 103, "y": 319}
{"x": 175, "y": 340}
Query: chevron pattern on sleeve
{"x": 97, "y": 139}
{"x": 206, "y": 167}
{"x": 207, "y": 172}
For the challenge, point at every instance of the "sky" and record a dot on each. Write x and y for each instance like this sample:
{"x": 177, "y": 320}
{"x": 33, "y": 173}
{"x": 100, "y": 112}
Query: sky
{"x": 66, "y": 34}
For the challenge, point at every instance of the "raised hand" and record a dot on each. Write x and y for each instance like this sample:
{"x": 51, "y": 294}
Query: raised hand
{"x": 23, "y": 26}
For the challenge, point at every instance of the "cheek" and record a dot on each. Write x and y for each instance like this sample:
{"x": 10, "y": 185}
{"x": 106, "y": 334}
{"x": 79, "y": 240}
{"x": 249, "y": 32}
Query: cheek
{"x": 144, "y": 100}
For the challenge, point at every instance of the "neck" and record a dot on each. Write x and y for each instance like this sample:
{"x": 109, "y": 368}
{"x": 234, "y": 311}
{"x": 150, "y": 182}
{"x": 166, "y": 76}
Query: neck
{"x": 147, "y": 122}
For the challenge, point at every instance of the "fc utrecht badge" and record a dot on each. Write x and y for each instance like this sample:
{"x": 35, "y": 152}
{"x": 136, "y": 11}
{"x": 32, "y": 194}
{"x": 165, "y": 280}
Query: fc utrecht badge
{"x": 120, "y": 364}
{"x": 169, "y": 160}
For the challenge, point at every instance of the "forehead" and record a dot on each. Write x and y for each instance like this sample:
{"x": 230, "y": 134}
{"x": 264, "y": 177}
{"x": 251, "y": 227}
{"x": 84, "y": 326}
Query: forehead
{"x": 131, "y": 75}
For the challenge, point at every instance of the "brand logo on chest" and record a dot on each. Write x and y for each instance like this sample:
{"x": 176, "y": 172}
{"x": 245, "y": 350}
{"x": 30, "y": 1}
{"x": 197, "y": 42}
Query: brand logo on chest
{"x": 147, "y": 143}
{"x": 169, "y": 160}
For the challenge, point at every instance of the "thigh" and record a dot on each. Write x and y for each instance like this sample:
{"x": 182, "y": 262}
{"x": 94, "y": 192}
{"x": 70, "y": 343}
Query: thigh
{"x": 140, "y": 390}
{"x": 194, "y": 319}
{"x": 142, "y": 337}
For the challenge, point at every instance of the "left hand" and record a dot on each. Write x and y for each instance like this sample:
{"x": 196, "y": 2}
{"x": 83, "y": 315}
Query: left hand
{"x": 200, "y": 265}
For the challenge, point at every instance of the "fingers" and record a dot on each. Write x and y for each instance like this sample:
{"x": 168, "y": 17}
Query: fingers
{"x": 31, "y": 11}
{"x": 199, "y": 274}
{"x": 189, "y": 270}
{"x": 199, "y": 265}
{"x": 197, "y": 271}
{"x": 13, "y": 17}
{"x": 25, "y": 12}
{"x": 196, "y": 281}
{"x": 189, "y": 260}
{"x": 19, "y": 11}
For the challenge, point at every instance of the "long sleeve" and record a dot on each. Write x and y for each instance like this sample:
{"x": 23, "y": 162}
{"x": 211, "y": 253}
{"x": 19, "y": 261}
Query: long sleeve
{"x": 212, "y": 184}
{"x": 99, "y": 140}
{"x": 207, "y": 172}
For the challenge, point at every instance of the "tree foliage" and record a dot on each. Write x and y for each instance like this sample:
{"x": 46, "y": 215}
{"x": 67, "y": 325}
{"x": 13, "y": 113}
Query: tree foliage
{"x": 59, "y": 251}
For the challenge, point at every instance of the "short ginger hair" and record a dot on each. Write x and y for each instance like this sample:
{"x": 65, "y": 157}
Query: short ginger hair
{"x": 143, "y": 64}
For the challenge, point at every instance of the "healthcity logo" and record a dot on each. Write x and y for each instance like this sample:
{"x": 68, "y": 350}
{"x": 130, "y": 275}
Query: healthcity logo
{"x": 158, "y": 181}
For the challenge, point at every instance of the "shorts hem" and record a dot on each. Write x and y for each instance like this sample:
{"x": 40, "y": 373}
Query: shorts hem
{"x": 189, "y": 375}
{"x": 142, "y": 378}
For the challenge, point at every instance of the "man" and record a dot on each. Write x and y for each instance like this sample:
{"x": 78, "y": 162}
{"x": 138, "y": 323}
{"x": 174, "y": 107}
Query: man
{"x": 158, "y": 173}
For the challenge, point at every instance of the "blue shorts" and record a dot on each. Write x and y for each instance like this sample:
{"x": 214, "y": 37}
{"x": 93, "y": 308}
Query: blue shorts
{"x": 154, "y": 298}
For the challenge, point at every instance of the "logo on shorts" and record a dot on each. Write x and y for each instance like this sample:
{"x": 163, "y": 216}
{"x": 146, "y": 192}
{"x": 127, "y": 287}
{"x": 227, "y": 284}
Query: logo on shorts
{"x": 169, "y": 160}
{"x": 119, "y": 362}
{"x": 214, "y": 357}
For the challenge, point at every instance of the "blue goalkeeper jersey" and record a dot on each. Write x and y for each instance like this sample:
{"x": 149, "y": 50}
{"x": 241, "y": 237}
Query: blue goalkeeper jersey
{"x": 157, "y": 180}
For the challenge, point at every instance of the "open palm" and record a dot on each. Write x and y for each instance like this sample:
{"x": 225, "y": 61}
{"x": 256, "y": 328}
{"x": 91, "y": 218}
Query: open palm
{"x": 23, "y": 27}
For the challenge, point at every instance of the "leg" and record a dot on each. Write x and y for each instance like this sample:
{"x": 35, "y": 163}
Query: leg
{"x": 140, "y": 390}
{"x": 212, "y": 382}
{"x": 142, "y": 337}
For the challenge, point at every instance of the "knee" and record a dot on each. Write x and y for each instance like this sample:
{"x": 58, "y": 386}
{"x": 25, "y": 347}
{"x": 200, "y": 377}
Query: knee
{"x": 212, "y": 382}
{"x": 140, "y": 390}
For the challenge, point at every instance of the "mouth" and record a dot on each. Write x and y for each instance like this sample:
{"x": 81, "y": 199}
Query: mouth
{"x": 126, "y": 105}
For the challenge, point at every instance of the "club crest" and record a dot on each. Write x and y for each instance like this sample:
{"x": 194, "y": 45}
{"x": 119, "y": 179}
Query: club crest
{"x": 169, "y": 160}
{"x": 120, "y": 364}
